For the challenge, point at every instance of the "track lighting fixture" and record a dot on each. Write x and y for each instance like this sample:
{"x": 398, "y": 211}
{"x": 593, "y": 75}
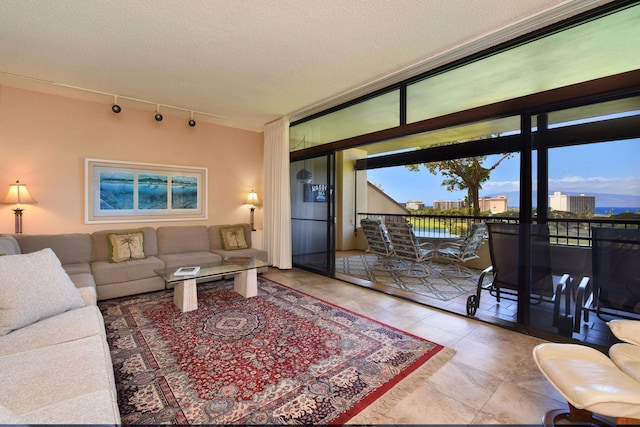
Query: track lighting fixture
{"x": 192, "y": 122}
{"x": 115, "y": 107}
{"x": 158, "y": 115}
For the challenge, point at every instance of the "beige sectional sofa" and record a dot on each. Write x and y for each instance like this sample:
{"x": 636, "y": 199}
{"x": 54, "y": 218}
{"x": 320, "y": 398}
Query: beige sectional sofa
{"x": 55, "y": 365}
{"x": 85, "y": 257}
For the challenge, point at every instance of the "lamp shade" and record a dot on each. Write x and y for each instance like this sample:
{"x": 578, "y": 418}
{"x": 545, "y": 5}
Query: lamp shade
{"x": 18, "y": 194}
{"x": 252, "y": 198}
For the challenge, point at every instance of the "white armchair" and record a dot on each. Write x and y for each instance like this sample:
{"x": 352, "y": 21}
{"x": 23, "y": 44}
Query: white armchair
{"x": 592, "y": 383}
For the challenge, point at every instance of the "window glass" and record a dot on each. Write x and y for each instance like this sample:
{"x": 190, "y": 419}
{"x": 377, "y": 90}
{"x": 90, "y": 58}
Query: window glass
{"x": 381, "y": 112}
{"x": 599, "y": 48}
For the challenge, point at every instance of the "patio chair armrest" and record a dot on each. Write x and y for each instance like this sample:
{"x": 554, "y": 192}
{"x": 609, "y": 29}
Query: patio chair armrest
{"x": 427, "y": 245}
{"x": 455, "y": 244}
{"x": 582, "y": 294}
{"x": 484, "y": 273}
{"x": 563, "y": 288}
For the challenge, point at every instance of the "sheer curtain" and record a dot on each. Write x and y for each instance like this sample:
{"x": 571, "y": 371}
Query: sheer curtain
{"x": 277, "y": 198}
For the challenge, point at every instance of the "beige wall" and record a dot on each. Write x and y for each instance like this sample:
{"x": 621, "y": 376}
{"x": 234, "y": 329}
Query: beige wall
{"x": 347, "y": 194}
{"x": 44, "y": 140}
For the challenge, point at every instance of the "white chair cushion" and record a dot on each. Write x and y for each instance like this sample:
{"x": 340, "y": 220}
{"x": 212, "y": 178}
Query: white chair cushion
{"x": 626, "y": 330}
{"x": 627, "y": 358}
{"x": 589, "y": 380}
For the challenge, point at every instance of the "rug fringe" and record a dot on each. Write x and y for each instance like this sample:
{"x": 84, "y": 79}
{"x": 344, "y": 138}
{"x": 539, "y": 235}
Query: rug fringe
{"x": 379, "y": 410}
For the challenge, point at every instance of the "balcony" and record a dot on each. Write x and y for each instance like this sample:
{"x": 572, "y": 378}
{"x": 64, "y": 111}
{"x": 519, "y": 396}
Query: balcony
{"x": 570, "y": 253}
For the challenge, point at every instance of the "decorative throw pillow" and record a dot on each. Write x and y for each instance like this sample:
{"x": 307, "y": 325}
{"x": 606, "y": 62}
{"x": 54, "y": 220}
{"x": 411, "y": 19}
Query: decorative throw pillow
{"x": 34, "y": 286}
{"x": 126, "y": 246}
{"x": 233, "y": 238}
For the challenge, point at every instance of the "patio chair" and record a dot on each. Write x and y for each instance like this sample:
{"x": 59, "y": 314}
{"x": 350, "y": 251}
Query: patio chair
{"x": 379, "y": 244}
{"x": 614, "y": 288}
{"x": 545, "y": 286}
{"x": 406, "y": 246}
{"x": 460, "y": 251}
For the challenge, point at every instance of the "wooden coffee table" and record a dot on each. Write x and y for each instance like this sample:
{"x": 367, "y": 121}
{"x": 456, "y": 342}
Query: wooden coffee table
{"x": 185, "y": 291}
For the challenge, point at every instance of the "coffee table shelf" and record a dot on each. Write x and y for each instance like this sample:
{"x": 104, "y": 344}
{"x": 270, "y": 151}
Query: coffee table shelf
{"x": 185, "y": 292}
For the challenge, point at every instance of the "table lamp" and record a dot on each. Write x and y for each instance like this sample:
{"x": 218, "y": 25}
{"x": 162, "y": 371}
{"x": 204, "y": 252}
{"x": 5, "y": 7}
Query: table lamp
{"x": 252, "y": 199}
{"x": 18, "y": 194}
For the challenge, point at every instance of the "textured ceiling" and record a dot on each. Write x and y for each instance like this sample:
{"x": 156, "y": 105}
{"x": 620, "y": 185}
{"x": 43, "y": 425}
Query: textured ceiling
{"x": 249, "y": 61}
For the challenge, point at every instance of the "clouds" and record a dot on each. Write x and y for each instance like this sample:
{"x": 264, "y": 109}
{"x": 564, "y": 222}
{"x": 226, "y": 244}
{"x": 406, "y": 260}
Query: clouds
{"x": 597, "y": 184}
{"x": 629, "y": 185}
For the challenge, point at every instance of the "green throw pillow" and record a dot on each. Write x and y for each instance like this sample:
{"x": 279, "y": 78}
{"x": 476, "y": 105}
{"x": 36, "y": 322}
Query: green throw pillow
{"x": 126, "y": 246}
{"x": 233, "y": 238}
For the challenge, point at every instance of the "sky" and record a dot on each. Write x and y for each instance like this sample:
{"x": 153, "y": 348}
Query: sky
{"x": 609, "y": 167}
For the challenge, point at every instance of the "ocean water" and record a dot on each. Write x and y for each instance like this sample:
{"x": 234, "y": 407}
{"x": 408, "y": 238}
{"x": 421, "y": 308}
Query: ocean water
{"x": 607, "y": 211}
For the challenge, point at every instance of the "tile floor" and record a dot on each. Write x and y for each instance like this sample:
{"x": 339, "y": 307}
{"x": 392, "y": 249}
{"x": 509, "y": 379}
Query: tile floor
{"x": 492, "y": 379}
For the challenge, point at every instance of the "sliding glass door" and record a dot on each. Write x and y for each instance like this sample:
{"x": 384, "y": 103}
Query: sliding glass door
{"x": 313, "y": 214}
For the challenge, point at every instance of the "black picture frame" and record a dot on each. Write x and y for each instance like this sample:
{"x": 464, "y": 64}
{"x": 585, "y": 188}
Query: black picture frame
{"x": 315, "y": 193}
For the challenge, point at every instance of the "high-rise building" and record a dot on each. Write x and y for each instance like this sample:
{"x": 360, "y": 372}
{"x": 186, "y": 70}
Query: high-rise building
{"x": 449, "y": 204}
{"x": 415, "y": 204}
{"x": 493, "y": 204}
{"x": 581, "y": 204}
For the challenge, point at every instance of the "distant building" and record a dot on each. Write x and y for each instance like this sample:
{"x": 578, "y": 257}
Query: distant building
{"x": 493, "y": 204}
{"x": 449, "y": 204}
{"x": 415, "y": 205}
{"x": 576, "y": 204}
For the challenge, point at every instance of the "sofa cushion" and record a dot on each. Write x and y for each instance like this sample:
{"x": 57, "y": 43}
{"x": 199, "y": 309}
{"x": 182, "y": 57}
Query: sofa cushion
{"x": 57, "y": 374}
{"x": 182, "y": 239}
{"x": 9, "y": 246}
{"x": 190, "y": 258}
{"x": 126, "y": 246}
{"x": 106, "y": 273}
{"x": 233, "y": 238}
{"x": 8, "y": 417}
{"x": 71, "y": 248}
{"x": 32, "y": 287}
{"x": 69, "y": 326}
{"x": 93, "y": 408}
{"x": 89, "y": 294}
{"x": 100, "y": 244}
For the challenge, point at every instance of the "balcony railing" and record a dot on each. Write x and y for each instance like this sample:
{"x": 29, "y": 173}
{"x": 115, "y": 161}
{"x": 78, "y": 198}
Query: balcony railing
{"x": 570, "y": 232}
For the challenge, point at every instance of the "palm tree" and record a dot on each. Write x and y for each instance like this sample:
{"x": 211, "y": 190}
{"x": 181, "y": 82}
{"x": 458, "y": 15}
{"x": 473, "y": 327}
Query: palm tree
{"x": 130, "y": 241}
{"x": 234, "y": 234}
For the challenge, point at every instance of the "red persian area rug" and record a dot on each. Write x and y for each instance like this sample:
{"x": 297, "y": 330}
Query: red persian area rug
{"x": 282, "y": 357}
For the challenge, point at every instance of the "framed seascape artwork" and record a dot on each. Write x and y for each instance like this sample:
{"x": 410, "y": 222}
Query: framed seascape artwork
{"x": 137, "y": 192}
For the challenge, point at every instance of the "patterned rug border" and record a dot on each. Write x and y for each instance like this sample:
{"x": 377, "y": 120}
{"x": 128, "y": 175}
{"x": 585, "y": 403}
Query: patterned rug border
{"x": 375, "y": 406}
{"x": 403, "y": 384}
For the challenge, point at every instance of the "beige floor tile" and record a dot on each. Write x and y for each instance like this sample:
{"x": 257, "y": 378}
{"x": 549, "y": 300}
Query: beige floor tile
{"x": 470, "y": 386}
{"x": 497, "y": 360}
{"x": 515, "y": 405}
{"x": 429, "y": 332}
{"x": 528, "y": 376}
{"x": 456, "y": 324}
{"x": 424, "y": 406}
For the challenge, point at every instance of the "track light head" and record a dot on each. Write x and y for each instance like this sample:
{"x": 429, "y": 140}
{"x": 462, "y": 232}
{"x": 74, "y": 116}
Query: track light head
{"x": 158, "y": 117}
{"x": 192, "y": 123}
{"x": 115, "y": 107}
